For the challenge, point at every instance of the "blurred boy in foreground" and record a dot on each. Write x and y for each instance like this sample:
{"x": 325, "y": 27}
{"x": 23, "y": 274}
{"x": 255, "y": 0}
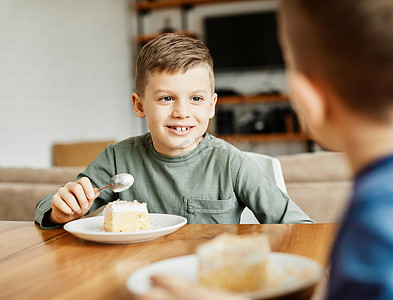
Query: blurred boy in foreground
{"x": 339, "y": 56}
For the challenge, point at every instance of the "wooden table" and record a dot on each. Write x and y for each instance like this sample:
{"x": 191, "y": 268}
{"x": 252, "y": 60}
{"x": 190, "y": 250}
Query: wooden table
{"x": 44, "y": 264}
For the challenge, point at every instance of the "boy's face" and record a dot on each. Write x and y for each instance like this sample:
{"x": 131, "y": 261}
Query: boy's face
{"x": 177, "y": 109}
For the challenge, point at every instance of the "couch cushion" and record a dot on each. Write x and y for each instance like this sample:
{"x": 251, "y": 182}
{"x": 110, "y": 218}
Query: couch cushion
{"x": 58, "y": 175}
{"x": 18, "y": 200}
{"x": 315, "y": 166}
{"x": 324, "y": 202}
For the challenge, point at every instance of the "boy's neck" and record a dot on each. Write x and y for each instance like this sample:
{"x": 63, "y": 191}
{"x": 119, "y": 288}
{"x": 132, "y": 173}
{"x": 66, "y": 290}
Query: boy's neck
{"x": 180, "y": 151}
{"x": 366, "y": 142}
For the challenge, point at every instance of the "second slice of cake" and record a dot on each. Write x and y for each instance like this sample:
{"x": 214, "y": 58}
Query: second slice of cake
{"x": 234, "y": 262}
{"x": 122, "y": 216}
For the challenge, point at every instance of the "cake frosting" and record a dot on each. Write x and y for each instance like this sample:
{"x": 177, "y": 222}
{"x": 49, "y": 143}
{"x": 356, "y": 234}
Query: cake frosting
{"x": 124, "y": 206}
{"x": 121, "y": 216}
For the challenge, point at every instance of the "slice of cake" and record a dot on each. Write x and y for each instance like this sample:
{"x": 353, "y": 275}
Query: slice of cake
{"x": 121, "y": 216}
{"x": 236, "y": 263}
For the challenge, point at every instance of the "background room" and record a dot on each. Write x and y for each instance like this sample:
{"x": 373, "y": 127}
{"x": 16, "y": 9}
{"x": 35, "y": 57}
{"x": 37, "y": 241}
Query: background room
{"x": 253, "y": 111}
{"x": 66, "y": 72}
{"x": 66, "y": 76}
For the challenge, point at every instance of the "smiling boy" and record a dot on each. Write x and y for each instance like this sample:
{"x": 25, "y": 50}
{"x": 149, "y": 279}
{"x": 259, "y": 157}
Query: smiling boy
{"x": 178, "y": 167}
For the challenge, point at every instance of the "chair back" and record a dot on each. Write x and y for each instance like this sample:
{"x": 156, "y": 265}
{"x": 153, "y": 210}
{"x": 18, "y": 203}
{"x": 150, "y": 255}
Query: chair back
{"x": 271, "y": 166}
{"x": 79, "y": 153}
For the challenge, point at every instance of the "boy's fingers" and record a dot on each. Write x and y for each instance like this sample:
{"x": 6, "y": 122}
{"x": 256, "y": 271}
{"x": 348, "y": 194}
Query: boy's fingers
{"x": 67, "y": 194}
{"x": 87, "y": 187}
{"x": 165, "y": 281}
{"x": 96, "y": 193}
{"x": 80, "y": 195}
{"x": 154, "y": 294}
{"x": 58, "y": 202}
{"x": 178, "y": 288}
{"x": 170, "y": 283}
{"x": 161, "y": 289}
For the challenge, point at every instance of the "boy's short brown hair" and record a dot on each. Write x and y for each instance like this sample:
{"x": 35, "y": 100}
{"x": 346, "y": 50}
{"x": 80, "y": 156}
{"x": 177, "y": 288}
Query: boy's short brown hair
{"x": 171, "y": 53}
{"x": 348, "y": 43}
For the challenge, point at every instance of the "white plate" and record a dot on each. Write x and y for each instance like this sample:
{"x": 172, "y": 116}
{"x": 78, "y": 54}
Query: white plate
{"x": 90, "y": 229}
{"x": 287, "y": 273}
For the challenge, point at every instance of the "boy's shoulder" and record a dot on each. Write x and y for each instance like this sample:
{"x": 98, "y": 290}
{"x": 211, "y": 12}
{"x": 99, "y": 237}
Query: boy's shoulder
{"x": 227, "y": 155}
{"x": 223, "y": 147}
{"x": 140, "y": 141}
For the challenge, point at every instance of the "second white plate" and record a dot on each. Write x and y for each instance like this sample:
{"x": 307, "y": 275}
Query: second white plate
{"x": 90, "y": 229}
{"x": 287, "y": 273}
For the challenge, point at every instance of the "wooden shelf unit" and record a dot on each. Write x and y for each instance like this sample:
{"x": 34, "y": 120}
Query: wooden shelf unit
{"x": 264, "y": 137}
{"x": 157, "y": 4}
{"x": 144, "y": 38}
{"x": 248, "y": 99}
{"x": 142, "y": 7}
{"x": 290, "y": 135}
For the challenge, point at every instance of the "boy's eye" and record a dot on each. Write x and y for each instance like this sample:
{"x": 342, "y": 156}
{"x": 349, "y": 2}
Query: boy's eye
{"x": 166, "y": 98}
{"x": 196, "y": 98}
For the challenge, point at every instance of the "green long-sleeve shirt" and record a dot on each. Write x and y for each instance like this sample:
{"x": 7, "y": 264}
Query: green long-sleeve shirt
{"x": 212, "y": 184}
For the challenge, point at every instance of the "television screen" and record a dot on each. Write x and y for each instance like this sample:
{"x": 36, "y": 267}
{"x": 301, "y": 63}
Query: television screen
{"x": 246, "y": 41}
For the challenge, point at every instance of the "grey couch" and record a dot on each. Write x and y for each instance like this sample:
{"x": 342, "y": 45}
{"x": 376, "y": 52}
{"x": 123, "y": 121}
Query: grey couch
{"x": 318, "y": 182}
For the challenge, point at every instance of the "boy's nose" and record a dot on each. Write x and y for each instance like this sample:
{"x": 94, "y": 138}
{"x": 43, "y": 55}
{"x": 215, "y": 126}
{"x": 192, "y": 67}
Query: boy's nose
{"x": 181, "y": 110}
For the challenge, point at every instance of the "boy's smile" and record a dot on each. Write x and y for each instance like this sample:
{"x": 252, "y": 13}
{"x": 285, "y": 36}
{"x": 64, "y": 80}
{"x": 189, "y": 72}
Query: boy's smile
{"x": 177, "y": 109}
{"x": 180, "y": 130}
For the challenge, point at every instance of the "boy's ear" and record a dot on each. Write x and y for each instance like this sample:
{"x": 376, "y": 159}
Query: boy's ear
{"x": 212, "y": 111}
{"x": 138, "y": 105}
{"x": 310, "y": 99}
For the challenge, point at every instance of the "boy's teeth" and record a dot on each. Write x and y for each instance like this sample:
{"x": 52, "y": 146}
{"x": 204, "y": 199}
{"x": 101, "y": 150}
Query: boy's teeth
{"x": 181, "y": 128}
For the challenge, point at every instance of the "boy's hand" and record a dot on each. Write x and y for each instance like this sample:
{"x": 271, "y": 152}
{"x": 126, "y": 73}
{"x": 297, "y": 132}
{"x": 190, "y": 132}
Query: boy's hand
{"x": 173, "y": 288}
{"x": 73, "y": 200}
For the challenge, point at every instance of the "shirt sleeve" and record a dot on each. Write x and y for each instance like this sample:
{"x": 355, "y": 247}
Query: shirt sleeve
{"x": 42, "y": 211}
{"x": 264, "y": 198}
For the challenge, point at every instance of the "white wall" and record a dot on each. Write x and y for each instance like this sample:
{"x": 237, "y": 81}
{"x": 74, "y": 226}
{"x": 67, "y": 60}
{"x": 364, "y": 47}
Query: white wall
{"x": 65, "y": 75}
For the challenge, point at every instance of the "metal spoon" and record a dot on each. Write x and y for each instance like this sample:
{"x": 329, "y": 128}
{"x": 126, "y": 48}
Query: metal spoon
{"x": 119, "y": 182}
